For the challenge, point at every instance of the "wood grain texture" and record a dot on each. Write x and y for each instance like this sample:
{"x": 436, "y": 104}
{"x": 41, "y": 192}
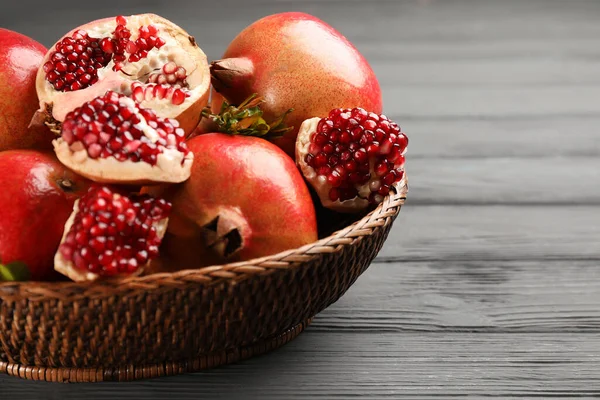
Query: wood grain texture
{"x": 470, "y": 296}
{"x": 535, "y": 232}
{"x": 392, "y": 366}
{"x": 489, "y": 282}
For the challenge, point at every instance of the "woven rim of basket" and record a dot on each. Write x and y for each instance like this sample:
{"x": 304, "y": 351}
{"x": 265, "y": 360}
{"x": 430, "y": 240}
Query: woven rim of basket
{"x": 380, "y": 216}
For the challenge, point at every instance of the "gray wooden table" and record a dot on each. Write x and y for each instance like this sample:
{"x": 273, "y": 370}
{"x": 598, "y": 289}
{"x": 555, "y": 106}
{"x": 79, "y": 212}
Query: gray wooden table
{"x": 490, "y": 281}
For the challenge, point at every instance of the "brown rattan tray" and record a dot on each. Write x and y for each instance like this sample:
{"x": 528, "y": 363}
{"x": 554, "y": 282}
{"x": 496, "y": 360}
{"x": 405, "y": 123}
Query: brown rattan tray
{"x": 172, "y": 323}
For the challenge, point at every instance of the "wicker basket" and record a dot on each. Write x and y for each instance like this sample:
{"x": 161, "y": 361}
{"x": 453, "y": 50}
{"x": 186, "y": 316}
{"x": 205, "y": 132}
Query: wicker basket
{"x": 165, "y": 324}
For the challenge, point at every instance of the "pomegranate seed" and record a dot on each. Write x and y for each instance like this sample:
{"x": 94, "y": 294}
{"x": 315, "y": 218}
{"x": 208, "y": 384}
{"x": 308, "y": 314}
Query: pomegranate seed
{"x": 121, "y": 20}
{"x": 320, "y": 139}
{"x": 328, "y": 148}
{"x": 178, "y": 97}
{"x": 361, "y": 156}
{"x": 384, "y": 190}
{"x": 389, "y": 178}
{"x": 351, "y": 166}
{"x": 144, "y": 32}
{"x": 345, "y": 138}
{"x": 370, "y": 124}
{"x": 399, "y": 175}
{"x": 320, "y": 160}
{"x": 170, "y": 68}
{"x": 309, "y": 159}
{"x": 334, "y": 135}
{"x": 381, "y": 169}
{"x": 386, "y": 146}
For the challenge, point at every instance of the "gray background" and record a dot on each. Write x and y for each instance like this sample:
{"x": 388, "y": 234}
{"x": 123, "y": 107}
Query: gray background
{"x": 490, "y": 281}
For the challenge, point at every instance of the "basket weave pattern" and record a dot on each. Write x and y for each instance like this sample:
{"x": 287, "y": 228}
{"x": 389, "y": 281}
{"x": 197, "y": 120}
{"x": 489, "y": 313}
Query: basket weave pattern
{"x": 171, "y": 323}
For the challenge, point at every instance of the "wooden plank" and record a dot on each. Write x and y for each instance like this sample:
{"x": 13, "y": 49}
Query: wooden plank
{"x": 494, "y": 233}
{"x": 387, "y": 365}
{"x": 551, "y": 136}
{"x": 486, "y": 296}
{"x": 556, "y": 180}
{"x": 486, "y": 73}
{"x": 497, "y": 102}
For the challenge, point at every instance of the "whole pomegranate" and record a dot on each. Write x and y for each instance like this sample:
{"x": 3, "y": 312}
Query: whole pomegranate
{"x": 144, "y": 56}
{"x": 20, "y": 58}
{"x": 37, "y": 197}
{"x": 294, "y": 60}
{"x": 245, "y": 199}
{"x": 352, "y": 158}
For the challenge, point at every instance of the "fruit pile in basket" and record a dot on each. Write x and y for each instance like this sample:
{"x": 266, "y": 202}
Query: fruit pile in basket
{"x": 124, "y": 152}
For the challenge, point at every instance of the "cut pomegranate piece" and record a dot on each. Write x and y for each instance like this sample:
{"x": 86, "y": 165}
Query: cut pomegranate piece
{"x": 109, "y": 234}
{"x": 112, "y": 139}
{"x": 352, "y": 158}
{"x": 125, "y": 54}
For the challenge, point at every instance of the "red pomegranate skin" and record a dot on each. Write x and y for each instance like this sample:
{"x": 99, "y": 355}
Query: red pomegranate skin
{"x": 35, "y": 204}
{"x": 295, "y": 60}
{"x": 249, "y": 183}
{"x": 20, "y": 58}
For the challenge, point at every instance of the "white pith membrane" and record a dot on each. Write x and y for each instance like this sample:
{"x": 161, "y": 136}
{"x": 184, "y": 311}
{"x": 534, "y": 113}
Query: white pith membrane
{"x": 172, "y": 165}
{"x": 320, "y": 184}
{"x": 179, "y": 49}
{"x": 68, "y": 269}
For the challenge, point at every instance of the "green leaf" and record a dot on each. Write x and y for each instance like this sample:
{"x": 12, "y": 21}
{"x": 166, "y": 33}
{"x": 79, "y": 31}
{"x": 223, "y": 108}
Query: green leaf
{"x": 14, "y": 271}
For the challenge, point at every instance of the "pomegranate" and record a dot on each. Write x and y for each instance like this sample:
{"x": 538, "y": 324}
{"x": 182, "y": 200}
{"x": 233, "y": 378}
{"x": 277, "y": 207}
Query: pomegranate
{"x": 20, "y": 58}
{"x": 110, "y": 234}
{"x": 37, "y": 197}
{"x": 144, "y": 56}
{"x": 113, "y": 139}
{"x": 352, "y": 157}
{"x": 295, "y": 60}
{"x": 245, "y": 199}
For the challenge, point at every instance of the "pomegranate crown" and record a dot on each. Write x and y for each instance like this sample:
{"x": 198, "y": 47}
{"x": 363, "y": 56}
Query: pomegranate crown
{"x": 246, "y": 119}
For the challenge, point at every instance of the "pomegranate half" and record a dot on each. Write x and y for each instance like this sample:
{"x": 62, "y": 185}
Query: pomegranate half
{"x": 352, "y": 158}
{"x": 111, "y": 139}
{"x": 111, "y": 234}
{"x": 144, "y": 56}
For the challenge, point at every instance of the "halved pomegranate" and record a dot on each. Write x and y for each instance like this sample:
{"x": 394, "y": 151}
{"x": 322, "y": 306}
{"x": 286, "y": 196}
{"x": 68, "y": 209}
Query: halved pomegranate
{"x": 112, "y": 139}
{"x": 352, "y": 158}
{"x": 110, "y": 234}
{"x": 143, "y": 55}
